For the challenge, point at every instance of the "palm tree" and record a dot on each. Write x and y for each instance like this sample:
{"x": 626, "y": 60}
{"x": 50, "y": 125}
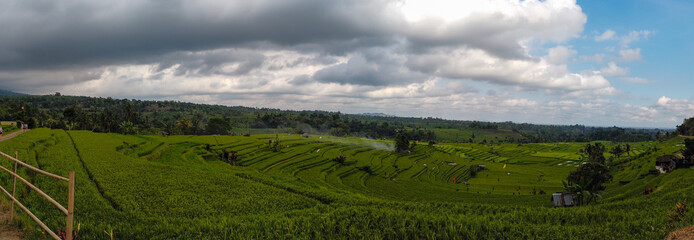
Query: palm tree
{"x": 581, "y": 191}
{"x": 617, "y": 151}
{"x": 577, "y": 191}
{"x": 184, "y": 124}
{"x": 127, "y": 126}
{"x": 628, "y": 149}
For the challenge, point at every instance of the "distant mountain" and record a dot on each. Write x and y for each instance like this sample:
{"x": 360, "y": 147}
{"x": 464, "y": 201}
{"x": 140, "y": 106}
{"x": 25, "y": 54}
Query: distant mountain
{"x": 11, "y": 93}
{"x": 375, "y": 114}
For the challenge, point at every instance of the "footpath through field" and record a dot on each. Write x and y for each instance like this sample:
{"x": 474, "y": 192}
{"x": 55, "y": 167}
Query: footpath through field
{"x": 11, "y": 135}
{"x": 7, "y": 231}
{"x": 682, "y": 234}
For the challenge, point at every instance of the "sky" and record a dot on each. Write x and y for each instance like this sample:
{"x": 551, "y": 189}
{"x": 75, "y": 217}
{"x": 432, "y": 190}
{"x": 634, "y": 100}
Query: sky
{"x": 626, "y": 63}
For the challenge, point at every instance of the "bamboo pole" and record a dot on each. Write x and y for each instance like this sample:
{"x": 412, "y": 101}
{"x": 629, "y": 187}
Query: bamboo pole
{"x": 46, "y": 196}
{"x": 71, "y": 196}
{"x": 36, "y": 219}
{"x": 14, "y": 184}
{"x": 70, "y": 206}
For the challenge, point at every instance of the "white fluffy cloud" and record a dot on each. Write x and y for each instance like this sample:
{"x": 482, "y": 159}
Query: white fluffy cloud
{"x": 634, "y": 36}
{"x": 411, "y": 58}
{"x": 636, "y": 80}
{"x": 629, "y": 55}
{"x": 599, "y": 58}
{"x": 531, "y": 73}
{"x": 624, "y": 40}
{"x": 607, "y": 35}
{"x": 666, "y": 109}
{"x": 612, "y": 70}
{"x": 499, "y": 27}
{"x": 559, "y": 54}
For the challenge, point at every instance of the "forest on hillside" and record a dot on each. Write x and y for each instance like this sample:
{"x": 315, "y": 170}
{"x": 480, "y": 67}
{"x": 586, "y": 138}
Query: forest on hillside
{"x": 173, "y": 117}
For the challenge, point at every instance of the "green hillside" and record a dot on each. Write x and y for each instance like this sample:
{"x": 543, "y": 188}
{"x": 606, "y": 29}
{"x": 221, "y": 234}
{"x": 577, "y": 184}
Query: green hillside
{"x": 10, "y": 93}
{"x": 176, "y": 187}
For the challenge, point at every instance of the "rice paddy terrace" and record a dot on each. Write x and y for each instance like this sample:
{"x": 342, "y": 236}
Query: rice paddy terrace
{"x": 178, "y": 187}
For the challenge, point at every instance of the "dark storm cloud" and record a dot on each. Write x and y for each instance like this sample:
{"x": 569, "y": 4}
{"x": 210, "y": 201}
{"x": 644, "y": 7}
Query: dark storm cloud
{"x": 376, "y": 67}
{"x": 491, "y": 32}
{"x": 349, "y": 42}
{"x": 48, "y": 34}
{"x": 210, "y": 62}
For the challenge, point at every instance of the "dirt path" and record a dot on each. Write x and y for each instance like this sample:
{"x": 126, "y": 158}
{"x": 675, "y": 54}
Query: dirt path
{"x": 682, "y": 234}
{"x": 11, "y": 135}
{"x": 7, "y": 231}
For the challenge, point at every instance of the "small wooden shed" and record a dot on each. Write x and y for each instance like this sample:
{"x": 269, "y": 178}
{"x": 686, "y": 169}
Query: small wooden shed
{"x": 563, "y": 199}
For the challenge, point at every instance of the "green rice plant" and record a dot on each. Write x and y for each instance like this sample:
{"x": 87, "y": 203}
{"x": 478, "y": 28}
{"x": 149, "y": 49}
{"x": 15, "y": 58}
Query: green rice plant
{"x": 176, "y": 187}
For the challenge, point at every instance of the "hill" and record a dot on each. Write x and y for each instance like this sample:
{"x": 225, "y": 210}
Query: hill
{"x": 11, "y": 93}
{"x": 153, "y": 117}
{"x": 177, "y": 187}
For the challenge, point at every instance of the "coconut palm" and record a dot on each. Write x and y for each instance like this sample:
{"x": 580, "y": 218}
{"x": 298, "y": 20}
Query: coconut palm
{"x": 184, "y": 124}
{"x": 582, "y": 194}
{"x": 628, "y": 149}
{"x": 127, "y": 127}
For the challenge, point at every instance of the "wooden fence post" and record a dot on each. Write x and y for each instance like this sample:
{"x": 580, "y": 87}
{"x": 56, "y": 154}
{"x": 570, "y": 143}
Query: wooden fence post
{"x": 70, "y": 205}
{"x": 14, "y": 183}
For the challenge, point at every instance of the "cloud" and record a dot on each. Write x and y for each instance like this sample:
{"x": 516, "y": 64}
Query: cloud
{"x": 634, "y": 36}
{"x": 480, "y": 66}
{"x": 559, "y": 54}
{"x": 612, "y": 70}
{"x": 377, "y": 68}
{"x": 522, "y": 102}
{"x": 236, "y": 38}
{"x": 593, "y": 58}
{"x": 630, "y": 55}
{"x": 636, "y": 80}
{"x": 665, "y": 109}
{"x": 607, "y": 35}
{"x": 498, "y": 27}
{"x": 624, "y": 40}
{"x": 80, "y": 32}
{"x": 427, "y": 89}
{"x": 409, "y": 58}
{"x": 663, "y": 101}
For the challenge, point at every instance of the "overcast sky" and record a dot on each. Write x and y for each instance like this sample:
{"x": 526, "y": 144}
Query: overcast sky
{"x": 600, "y": 63}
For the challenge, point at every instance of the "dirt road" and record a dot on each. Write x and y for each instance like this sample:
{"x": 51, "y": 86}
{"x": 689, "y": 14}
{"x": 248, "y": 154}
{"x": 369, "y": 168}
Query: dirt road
{"x": 11, "y": 135}
{"x": 8, "y": 232}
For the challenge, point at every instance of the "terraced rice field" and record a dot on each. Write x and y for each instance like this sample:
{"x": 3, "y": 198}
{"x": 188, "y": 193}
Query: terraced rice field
{"x": 177, "y": 187}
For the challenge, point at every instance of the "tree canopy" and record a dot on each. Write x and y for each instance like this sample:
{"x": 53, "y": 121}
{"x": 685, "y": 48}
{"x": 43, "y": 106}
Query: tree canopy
{"x": 151, "y": 117}
{"x": 401, "y": 143}
{"x": 595, "y": 152}
{"x": 688, "y": 151}
{"x": 588, "y": 180}
{"x": 687, "y": 127}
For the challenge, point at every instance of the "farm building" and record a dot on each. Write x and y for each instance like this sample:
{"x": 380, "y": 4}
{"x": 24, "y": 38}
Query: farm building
{"x": 563, "y": 199}
{"x": 13, "y": 123}
{"x": 305, "y": 135}
{"x": 482, "y": 166}
{"x": 665, "y": 163}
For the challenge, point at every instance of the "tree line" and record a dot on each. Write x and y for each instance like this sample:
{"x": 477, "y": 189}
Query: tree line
{"x": 174, "y": 117}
